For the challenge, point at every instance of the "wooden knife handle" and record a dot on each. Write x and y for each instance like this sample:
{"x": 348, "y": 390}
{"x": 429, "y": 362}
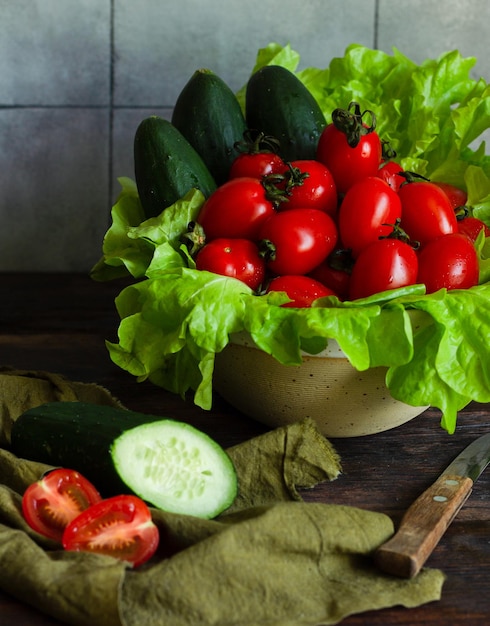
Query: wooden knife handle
{"x": 422, "y": 526}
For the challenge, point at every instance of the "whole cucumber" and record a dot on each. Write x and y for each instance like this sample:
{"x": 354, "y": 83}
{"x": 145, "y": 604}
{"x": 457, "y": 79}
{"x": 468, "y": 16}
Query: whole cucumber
{"x": 278, "y": 104}
{"x": 209, "y": 116}
{"x": 166, "y": 166}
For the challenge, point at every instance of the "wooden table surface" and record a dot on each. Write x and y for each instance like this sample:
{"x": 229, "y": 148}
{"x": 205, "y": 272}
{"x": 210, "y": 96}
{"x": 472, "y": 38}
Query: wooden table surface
{"x": 59, "y": 322}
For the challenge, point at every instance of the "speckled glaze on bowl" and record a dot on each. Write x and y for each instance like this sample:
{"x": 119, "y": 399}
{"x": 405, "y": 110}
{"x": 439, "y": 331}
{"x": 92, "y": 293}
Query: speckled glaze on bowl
{"x": 343, "y": 401}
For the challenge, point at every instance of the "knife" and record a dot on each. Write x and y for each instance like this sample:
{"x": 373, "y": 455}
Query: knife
{"x": 428, "y": 517}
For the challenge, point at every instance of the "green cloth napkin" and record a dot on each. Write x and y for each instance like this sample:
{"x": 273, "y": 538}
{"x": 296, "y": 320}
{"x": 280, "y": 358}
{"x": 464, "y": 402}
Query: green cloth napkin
{"x": 270, "y": 560}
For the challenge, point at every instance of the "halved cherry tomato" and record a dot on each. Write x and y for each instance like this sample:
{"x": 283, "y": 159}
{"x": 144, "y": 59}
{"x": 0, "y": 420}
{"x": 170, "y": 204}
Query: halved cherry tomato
{"x": 52, "y": 502}
{"x": 368, "y": 211}
{"x": 472, "y": 226}
{"x": 448, "y": 262}
{"x": 350, "y": 148}
{"x": 298, "y": 240}
{"x": 236, "y": 209}
{"x": 384, "y": 264}
{"x": 309, "y": 184}
{"x": 427, "y": 212}
{"x": 120, "y": 526}
{"x": 237, "y": 258}
{"x": 302, "y": 290}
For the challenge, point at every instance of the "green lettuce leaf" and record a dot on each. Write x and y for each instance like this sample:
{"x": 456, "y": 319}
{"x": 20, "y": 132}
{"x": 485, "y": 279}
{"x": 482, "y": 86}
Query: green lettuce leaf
{"x": 174, "y": 319}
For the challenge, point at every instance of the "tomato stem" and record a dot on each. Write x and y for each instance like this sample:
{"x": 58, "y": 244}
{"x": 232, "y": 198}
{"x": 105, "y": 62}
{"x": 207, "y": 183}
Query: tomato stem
{"x": 276, "y": 188}
{"x": 461, "y": 212}
{"x": 256, "y": 142}
{"x": 341, "y": 259}
{"x": 351, "y": 123}
{"x": 279, "y": 186}
{"x": 194, "y": 239}
{"x": 412, "y": 177}
{"x": 399, "y": 233}
{"x": 387, "y": 151}
{"x": 267, "y": 250}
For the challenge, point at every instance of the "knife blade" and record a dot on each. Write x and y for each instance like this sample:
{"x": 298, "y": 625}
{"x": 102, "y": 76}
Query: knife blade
{"x": 427, "y": 519}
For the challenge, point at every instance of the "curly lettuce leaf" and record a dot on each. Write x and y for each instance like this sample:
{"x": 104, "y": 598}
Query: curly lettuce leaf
{"x": 138, "y": 247}
{"x": 172, "y": 325}
{"x": 434, "y": 346}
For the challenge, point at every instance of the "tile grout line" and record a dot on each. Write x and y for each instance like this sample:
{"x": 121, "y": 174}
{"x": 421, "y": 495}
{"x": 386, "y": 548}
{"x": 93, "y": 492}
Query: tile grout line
{"x": 376, "y": 24}
{"x": 111, "y": 108}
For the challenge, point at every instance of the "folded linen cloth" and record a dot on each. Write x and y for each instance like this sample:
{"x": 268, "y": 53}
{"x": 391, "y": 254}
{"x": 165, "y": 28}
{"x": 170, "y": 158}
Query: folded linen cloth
{"x": 270, "y": 560}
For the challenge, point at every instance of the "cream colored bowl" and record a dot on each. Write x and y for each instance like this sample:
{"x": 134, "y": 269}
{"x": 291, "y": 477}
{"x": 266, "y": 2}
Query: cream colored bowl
{"x": 343, "y": 401}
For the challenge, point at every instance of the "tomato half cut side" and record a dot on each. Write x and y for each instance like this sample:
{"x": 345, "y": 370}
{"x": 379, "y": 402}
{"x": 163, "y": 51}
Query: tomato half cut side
{"x": 120, "y": 527}
{"x": 52, "y": 502}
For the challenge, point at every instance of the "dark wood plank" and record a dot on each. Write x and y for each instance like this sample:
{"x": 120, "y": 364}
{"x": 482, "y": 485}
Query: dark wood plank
{"x": 60, "y": 322}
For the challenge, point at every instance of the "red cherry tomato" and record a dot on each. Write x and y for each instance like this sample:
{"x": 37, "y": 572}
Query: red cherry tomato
{"x": 472, "y": 226}
{"x": 302, "y": 290}
{"x": 237, "y": 258}
{"x": 349, "y": 148}
{"x": 426, "y": 211}
{"x": 258, "y": 156}
{"x": 390, "y": 173}
{"x": 448, "y": 262}
{"x": 298, "y": 240}
{"x": 51, "y": 503}
{"x": 310, "y": 184}
{"x": 236, "y": 209}
{"x": 256, "y": 165}
{"x": 120, "y": 526}
{"x": 457, "y": 197}
{"x": 368, "y": 211}
{"x": 334, "y": 272}
{"x": 384, "y": 264}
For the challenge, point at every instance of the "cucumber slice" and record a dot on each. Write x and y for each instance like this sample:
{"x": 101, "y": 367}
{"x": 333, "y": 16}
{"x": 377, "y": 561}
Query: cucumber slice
{"x": 176, "y": 467}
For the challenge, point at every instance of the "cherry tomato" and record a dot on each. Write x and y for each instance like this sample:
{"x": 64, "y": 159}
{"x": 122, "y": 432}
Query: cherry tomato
{"x": 384, "y": 264}
{"x": 334, "y": 272}
{"x": 457, "y": 197}
{"x": 258, "y": 156}
{"x": 310, "y": 184}
{"x": 426, "y": 211}
{"x": 302, "y": 290}
{"x": 236, "y": 209}
{"x": 238, "y": 258}
{"x": 120, "y": 526}
{"x": 256, "y": 165}
{"x": 349, "y": 148}
{"x": 51, "y": 503}
{"x": 448, "y": 262}
{"x": 298, "y": 240}
{"x": 472, "y": 226}
{"x": 390, "y": 172}
{"x": 368, "y": 211}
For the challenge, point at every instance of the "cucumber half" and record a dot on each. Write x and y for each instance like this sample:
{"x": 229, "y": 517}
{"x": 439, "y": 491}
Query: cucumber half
{"x": 176, "y": 467}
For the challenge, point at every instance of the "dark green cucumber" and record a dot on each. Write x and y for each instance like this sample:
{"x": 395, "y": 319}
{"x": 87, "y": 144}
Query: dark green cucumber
{"x": 166, "y": 166}
{"x": 278, "y": 104}
{"x": 209, "y": 116}
{"x": 78, "y": 436}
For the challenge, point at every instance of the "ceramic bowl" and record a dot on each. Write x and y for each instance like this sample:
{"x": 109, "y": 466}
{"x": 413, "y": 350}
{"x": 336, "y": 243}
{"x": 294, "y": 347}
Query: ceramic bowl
{"x": 343, "y": 401}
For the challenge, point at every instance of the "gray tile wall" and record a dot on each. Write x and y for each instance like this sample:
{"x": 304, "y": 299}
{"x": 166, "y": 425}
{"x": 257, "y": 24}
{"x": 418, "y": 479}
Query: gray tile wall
{"x": 77, "y": 76}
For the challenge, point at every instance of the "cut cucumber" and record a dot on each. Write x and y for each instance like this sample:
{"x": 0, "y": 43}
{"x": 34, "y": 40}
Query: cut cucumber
{"x": 176, "y": 467}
